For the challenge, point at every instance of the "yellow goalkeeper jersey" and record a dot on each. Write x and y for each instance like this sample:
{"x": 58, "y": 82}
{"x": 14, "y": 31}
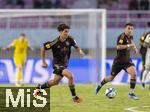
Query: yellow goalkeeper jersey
{"x": 20, "y": 52}
{"x": 20, "y": 47}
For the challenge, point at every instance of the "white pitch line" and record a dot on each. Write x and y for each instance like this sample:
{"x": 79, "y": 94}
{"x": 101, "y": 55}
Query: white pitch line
{"x": 146, "y": 106}
{"x": 133, "y": 109}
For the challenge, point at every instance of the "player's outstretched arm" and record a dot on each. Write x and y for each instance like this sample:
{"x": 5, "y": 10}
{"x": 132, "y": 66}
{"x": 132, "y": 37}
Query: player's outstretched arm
{"x": 7, "y": 47}
{"x": 31, "y": 48}
{"x": 44, "y": 64}
{"x": 81, "y": 53}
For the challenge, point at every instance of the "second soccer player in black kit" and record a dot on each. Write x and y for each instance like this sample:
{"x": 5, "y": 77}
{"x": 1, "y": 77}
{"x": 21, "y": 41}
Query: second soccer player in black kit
{"x": 123, "y": 61}
{"x": 143, "y": 51}
{"x": 61, "y": 49}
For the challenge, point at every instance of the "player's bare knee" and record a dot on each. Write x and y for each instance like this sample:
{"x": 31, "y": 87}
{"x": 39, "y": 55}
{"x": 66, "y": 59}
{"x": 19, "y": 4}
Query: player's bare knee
{"x": 133, "y": 76}
{"x": 133, "y": 73}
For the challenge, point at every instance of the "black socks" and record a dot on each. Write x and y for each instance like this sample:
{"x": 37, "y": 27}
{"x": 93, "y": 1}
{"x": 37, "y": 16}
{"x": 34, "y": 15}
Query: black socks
{"x": 72, "y": 90}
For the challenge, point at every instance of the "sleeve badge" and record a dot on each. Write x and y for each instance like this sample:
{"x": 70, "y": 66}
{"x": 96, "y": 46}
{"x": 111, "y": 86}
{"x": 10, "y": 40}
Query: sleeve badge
{"x": 120, "y": 41}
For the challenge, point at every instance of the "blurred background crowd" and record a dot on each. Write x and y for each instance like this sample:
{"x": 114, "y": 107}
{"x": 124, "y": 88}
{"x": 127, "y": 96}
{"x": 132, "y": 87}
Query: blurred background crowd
{"x": 107, "y": 4}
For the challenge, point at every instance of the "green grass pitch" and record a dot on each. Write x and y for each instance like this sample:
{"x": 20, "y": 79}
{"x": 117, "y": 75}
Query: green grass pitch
{"x": 61, "y": 100}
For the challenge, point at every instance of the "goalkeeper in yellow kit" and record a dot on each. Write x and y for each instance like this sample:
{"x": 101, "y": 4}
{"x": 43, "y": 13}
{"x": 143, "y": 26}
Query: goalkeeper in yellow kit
{"x": 20, "y": 53}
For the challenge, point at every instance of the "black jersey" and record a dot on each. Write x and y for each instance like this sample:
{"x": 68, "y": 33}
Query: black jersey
{"x": 61, "y": 50}
{"x": 143, "y": 50}
{"x": 123, "y": 56}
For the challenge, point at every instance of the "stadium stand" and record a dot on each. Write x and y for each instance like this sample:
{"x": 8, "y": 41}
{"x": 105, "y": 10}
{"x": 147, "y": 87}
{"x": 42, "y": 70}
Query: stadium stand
{"x": 118, "y": 12}
{"x": 115, "y": 19}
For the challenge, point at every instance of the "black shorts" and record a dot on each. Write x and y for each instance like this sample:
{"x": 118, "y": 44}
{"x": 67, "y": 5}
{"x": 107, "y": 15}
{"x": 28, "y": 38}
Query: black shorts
{"x": 117, "y": 67}
{"x": 58, "y": 69}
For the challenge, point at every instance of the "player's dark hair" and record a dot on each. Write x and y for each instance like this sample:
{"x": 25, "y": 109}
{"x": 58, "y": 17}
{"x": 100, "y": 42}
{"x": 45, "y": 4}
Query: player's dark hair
{"x": 23, "y": 34}
{"x": 62, "y": 26}
{"x": 128, "y": 24}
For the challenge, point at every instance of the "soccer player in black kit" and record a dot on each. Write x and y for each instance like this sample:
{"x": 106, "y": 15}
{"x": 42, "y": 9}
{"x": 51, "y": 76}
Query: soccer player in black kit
{"x": 61, "y": 49}
{"x": 123, "y": 61}
{"x": 143, "y": 51}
